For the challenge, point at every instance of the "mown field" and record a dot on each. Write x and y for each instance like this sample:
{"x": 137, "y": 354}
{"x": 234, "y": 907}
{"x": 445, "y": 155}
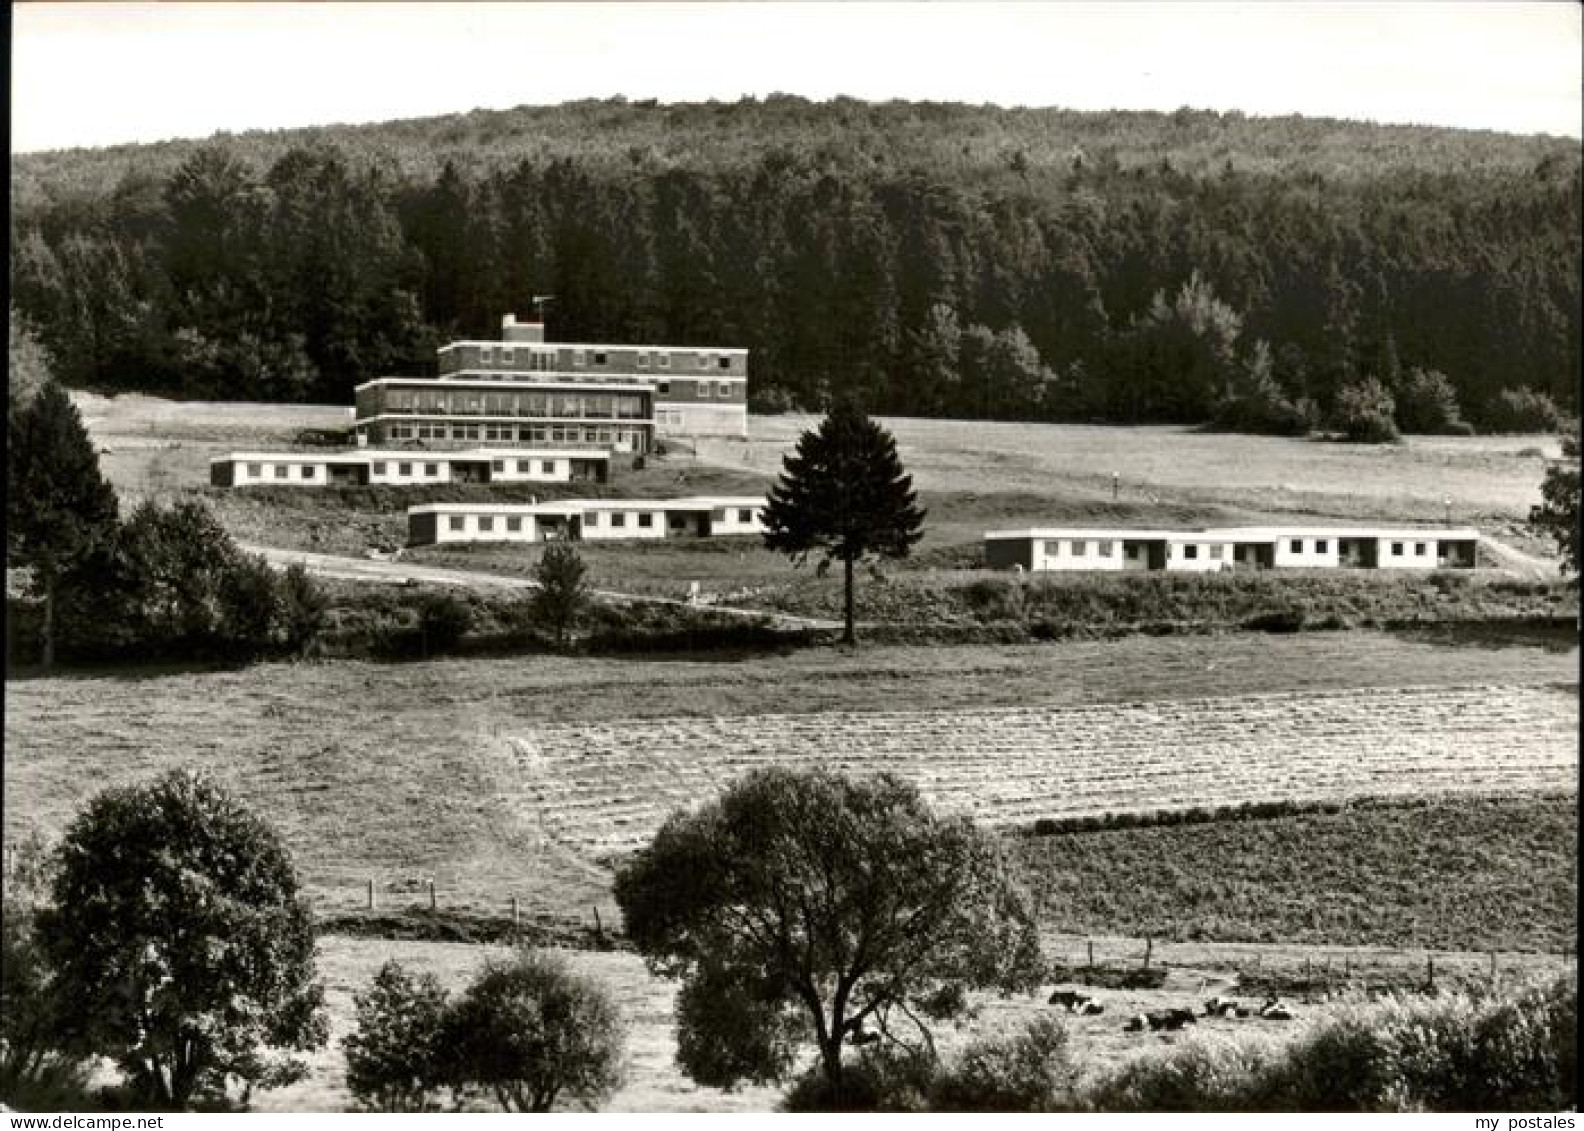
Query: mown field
{"x": 403, "y": 773}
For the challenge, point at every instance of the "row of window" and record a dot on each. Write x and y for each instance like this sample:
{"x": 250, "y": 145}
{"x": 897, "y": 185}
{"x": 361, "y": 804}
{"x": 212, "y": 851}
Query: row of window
{"x": 281, "y": 470}
{"x": 545, "y": 359}
{"x": 616, "y": 520}
{"x": 1079, "y": 548}
{"x": 509, "y": 433}
{"x": 701, "y": 389}
{"x": 450, "y": 402}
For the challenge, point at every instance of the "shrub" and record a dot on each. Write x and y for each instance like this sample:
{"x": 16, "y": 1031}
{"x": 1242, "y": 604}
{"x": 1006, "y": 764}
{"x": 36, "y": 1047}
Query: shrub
{"x": 563, "y": 591}
{"x": 881, "y": 1078}
{"x": 1031, "y": 1071}
{"x": 1523, "y": 411}
{"x": 1364, "y": 413}
{"x": 994, "y": 599}
{"x": 529, "y": 1032}
{"x": 1290, "y": 619}
{"x": 443, "y": 619}
{"x": 1427, "y": 405}
{"x": 304, "y": 612}
{"x": 393, "y": 1057}
{"x": 1452, "y": 1053}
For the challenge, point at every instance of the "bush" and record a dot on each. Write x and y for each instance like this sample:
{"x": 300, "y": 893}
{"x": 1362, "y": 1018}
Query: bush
{"x": 393, "y": 1057}
{"x": 1453, "y": 1053}
{"x": 881, "y": 1078}
{"x": 1523, "y": 411}
{"x": 1427, "y": 405}
{"x": 443, "y": 620}
{"x": 529, "y": 1032}
{"x": 1032, "y": 1071}
{"x": 994, "y": 599}
{"x": 1364, "y": 413}
{"x": 1290, "y": 619}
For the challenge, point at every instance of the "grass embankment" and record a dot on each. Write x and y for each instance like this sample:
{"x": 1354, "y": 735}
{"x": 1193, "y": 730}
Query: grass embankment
{"x": 999, "y": 608}
{"x": 1497, "y": 873}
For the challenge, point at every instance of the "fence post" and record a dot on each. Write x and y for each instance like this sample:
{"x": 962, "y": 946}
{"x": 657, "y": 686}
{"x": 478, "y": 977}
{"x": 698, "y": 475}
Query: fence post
{"x": 599, "y": 928}
{"x": 371, "y": 895}
{"x": 431, "y": 895}
{"x": 1430, "y": 971}
{"x": 1091, "y": 953}
{"x": 1149, "y": 947}
{"x": 1493, "y": 966}
{"x": 516, "y": 922}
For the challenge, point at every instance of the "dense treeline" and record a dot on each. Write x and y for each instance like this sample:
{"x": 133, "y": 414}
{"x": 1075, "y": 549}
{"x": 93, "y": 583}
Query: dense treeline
{"x": 937, "y": 260}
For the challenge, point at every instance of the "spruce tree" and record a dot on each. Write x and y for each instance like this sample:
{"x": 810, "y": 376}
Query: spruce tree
{"x": 843, "y": 494}
{"x": 59, "y": 508}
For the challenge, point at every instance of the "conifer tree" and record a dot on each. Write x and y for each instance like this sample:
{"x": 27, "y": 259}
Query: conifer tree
{"x": 60, "y": 509}
{"x": 843, "y": 493}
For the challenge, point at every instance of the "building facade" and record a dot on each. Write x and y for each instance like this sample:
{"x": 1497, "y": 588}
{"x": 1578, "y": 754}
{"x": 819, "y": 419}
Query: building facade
{"x": 407, "y": 467}
{"x": 585, "y": 520}
{"x": 1232, "y": 548}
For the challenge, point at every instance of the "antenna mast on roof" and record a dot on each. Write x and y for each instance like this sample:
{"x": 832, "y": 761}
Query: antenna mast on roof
{"x": 538, "y": 305}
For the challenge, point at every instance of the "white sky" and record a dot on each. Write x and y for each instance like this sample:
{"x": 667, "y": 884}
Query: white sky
{"x": 102, "y": 73}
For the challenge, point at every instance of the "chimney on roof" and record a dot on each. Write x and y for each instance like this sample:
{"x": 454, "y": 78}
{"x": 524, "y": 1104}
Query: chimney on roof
{"x": 515, "y": 331}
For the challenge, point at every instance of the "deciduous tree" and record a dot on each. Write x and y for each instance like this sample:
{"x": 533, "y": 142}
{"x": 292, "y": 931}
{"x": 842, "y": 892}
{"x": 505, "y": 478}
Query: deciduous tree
{"x": 844, "y": 495}
{"x": 803, "y": 906}
{"x": 178, "y": 932}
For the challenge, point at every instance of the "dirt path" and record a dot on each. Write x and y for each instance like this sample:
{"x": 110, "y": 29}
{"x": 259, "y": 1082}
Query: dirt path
{"x": 407, "y": 573}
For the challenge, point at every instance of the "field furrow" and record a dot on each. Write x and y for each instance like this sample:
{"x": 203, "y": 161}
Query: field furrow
{"x": 605, "y": 787}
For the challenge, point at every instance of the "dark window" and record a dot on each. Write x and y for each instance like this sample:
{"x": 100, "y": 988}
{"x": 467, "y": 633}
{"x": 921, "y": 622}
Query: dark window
{"x": 514, "y": 524}
{"x": 745, "y": 515}
{"x": 1321, "y": 546}
{"x": 1190, "y": 552}
{"x": 379, "y": 469}
{"x": 599, "y": 358}
{"x": 404, "y": 469}
{"x": 486, "y": 524}
{"x": 431, "y": 469}
{"x": 547, "y": 467}
{"x": 1397, "y": 548}
{"x": 1080, "y": 549}
{"x": 725, "y": 363}
{"x": 1419, "y": 549}
{"x": 255, "y": 470}
{"x": 1105, "y": 549}
{"x": 456, "y": 521}
{"x": 1297, "y": 545}
{"x": 618, "y": 519}
{"x": 665, "y": 387}
{"x": 646, "y": 519}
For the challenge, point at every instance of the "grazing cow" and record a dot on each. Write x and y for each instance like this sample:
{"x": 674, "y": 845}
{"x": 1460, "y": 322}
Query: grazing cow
{"x": 1219, "y": 1006}
{"x": 1275, "y": 1009}
{"x": 1157, "y": 1019}
{"x": 1090, "y": 1008}
{"x": 1072, "y": 999}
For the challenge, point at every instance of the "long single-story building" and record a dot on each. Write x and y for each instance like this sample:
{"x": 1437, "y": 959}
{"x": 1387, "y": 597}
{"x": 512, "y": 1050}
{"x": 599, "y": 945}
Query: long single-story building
{"x": 584, "y": 519}
{"x": 365, "y": 467}
{"x": 1246, "y": 547}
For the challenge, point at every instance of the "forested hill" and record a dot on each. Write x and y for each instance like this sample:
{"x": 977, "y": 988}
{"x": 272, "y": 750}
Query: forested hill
{"x": 932, "y": 259}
